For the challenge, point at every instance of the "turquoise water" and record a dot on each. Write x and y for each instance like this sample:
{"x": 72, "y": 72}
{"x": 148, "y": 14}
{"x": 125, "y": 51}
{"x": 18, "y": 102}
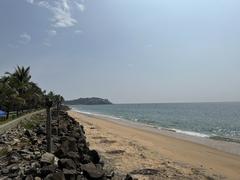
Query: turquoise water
{"x": 199, "y": 119}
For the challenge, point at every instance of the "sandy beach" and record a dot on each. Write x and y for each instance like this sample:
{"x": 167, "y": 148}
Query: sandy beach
{"x": 132, "y": 150}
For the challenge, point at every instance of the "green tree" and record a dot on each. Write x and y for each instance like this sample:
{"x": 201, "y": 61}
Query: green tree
{"x": 18, "y": 92}
{"x": 8, "y": 96}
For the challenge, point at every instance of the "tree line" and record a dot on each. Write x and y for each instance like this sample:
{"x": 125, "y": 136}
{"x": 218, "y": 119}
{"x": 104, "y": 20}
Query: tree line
{"x": 19, "y": 93}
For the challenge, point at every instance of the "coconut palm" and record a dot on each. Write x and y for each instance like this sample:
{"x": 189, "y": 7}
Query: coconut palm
{"x": 9, "y": 96}
{"x": 34, "y": 96}
{"x": 17, "y": 92}
{"x": 20, "y": 80}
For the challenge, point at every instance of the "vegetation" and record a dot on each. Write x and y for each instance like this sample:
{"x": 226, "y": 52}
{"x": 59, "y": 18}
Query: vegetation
{"x": 32, "y": 122}
{"x": 3, "y": 151}
{"x": 88, "y": 101}
{"x": 18, "y": 93}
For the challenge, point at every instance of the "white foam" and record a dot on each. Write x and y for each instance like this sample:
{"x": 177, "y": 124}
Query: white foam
{"x": 135, "y": 120}
{"x": 191, "y": 133}
{"x": 95, "y": 114}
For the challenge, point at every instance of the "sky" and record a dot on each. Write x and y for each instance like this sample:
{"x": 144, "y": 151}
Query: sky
{"x": 129, "y": 51}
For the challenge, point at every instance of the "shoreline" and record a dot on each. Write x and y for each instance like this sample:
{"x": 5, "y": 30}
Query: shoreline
{"x": 215, "y": 142}
{"x": 164, "y": 144}
{"x": 109, "y": 117}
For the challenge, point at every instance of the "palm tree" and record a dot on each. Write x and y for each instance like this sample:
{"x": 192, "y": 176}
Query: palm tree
{"x": 17, "y": 92}
{"x": 8, "y": 96}
{"x": 34, "y": 96}
{"x": 20, "y": 80}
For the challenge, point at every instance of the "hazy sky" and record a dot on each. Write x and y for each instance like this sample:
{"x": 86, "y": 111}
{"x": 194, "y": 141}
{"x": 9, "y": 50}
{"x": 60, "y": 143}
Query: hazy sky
{"x": 126, "y": 50}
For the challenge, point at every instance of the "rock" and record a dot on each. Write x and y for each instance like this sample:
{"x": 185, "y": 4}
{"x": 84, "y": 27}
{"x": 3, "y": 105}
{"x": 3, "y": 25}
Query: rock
{"x": 48, "y": 170}
{"x": 55, "y": 131}
{"x": 70, "y": 174}
{"x": 35, "y": 165}
{"x": 69, "y": 144}
{"x": 90, "y": 171}
{"x": 72, "y": 159}
{"x": 47, "y": 158}
{"x": 37, "y": 154}
{"x": 33, "y": 140}
{"x": 29, "y": 177}
{"x": 5, "y": 171}
{"x": 13, "y": 168}
{"x": 66, "y": 163}
{"x": 14, "y": 157}
{"x": 73, "y": 155}
{"x": 81, "y": 177}
{"x": 13, "y": 175}
{"x": 18, "y": 178}
{"x": 39, "y": 141}
{"x": 15, "y": 141}
{"x": 60, "y": 153}
{"x": 56, "y": 161}
{"x": 25, "y": 152}
{"x": 28, "y": 133}
{"x": 110, "y": 174}
{"x": 55, "y": 176}
{"x": 94, "y": 156}
{"x": 69, "y": 171}
{"x": 27, "y": 157}
{"x": 86, "y": 159}
{"x": 30, "y": 170}
{"x": 128, "y": 177}
{"x": 40, "y": 131}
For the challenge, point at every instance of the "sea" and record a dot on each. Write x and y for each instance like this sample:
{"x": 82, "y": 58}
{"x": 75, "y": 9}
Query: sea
{"x": 219, "y": 121}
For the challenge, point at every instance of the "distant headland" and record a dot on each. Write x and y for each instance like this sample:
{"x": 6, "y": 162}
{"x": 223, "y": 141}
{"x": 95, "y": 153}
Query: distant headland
{"x": 88, "y": 101}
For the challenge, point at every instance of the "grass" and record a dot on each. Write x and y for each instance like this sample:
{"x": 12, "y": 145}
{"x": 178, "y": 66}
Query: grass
{"x": 4, "y": 121}
{"x": 33, "y": 122}
{"x": 3, "y": 151}
{"x": 28, "y": 124}
{"x": 13, "y": 115}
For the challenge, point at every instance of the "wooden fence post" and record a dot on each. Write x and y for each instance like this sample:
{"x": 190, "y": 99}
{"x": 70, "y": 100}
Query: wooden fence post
{"x": 58, "y": 118}
{"x": 48, "y": 125}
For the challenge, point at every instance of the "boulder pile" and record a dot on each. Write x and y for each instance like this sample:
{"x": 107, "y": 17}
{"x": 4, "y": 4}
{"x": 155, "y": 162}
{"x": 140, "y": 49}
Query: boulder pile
{"x": 23, "y": 153}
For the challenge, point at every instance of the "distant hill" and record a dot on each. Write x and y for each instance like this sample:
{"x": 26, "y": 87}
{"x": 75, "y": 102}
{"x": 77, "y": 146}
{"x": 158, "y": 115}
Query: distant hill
{"x": 88, "y": 101}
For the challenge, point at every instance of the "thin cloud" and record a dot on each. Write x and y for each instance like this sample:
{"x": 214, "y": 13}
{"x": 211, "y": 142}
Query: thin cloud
{"x": 44, "y": 4}
{"x": 81, "y": 7}
{"x": 47, "y": 43}
{"x": 25, "y": 38}
{"x": 78, "y": 31}
{"x": 22, "y": 40}
{"x": 12, "y": 46}
{"x": 65, "y": 4}
{"x": 52, "y": 33}
{"x": 148, "y": 45}
{"x": 61, "y": 11}
{"x": 62, "y": 16}
{"x": 30, "y": 1}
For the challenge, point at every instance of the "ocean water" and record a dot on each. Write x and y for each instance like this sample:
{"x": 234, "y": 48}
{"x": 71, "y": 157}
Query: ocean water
{"x": 215, "y": 120}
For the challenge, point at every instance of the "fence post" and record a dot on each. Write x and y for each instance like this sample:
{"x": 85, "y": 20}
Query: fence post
{"x": 58, "y": 118}
{"x": 48, "y": 125}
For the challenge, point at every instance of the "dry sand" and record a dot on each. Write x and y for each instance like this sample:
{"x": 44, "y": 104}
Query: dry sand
{"x": 151, "y": 155}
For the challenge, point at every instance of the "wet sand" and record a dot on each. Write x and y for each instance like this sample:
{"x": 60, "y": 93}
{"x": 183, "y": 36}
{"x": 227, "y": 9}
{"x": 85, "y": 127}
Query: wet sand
{"x": 134, "y": 149}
